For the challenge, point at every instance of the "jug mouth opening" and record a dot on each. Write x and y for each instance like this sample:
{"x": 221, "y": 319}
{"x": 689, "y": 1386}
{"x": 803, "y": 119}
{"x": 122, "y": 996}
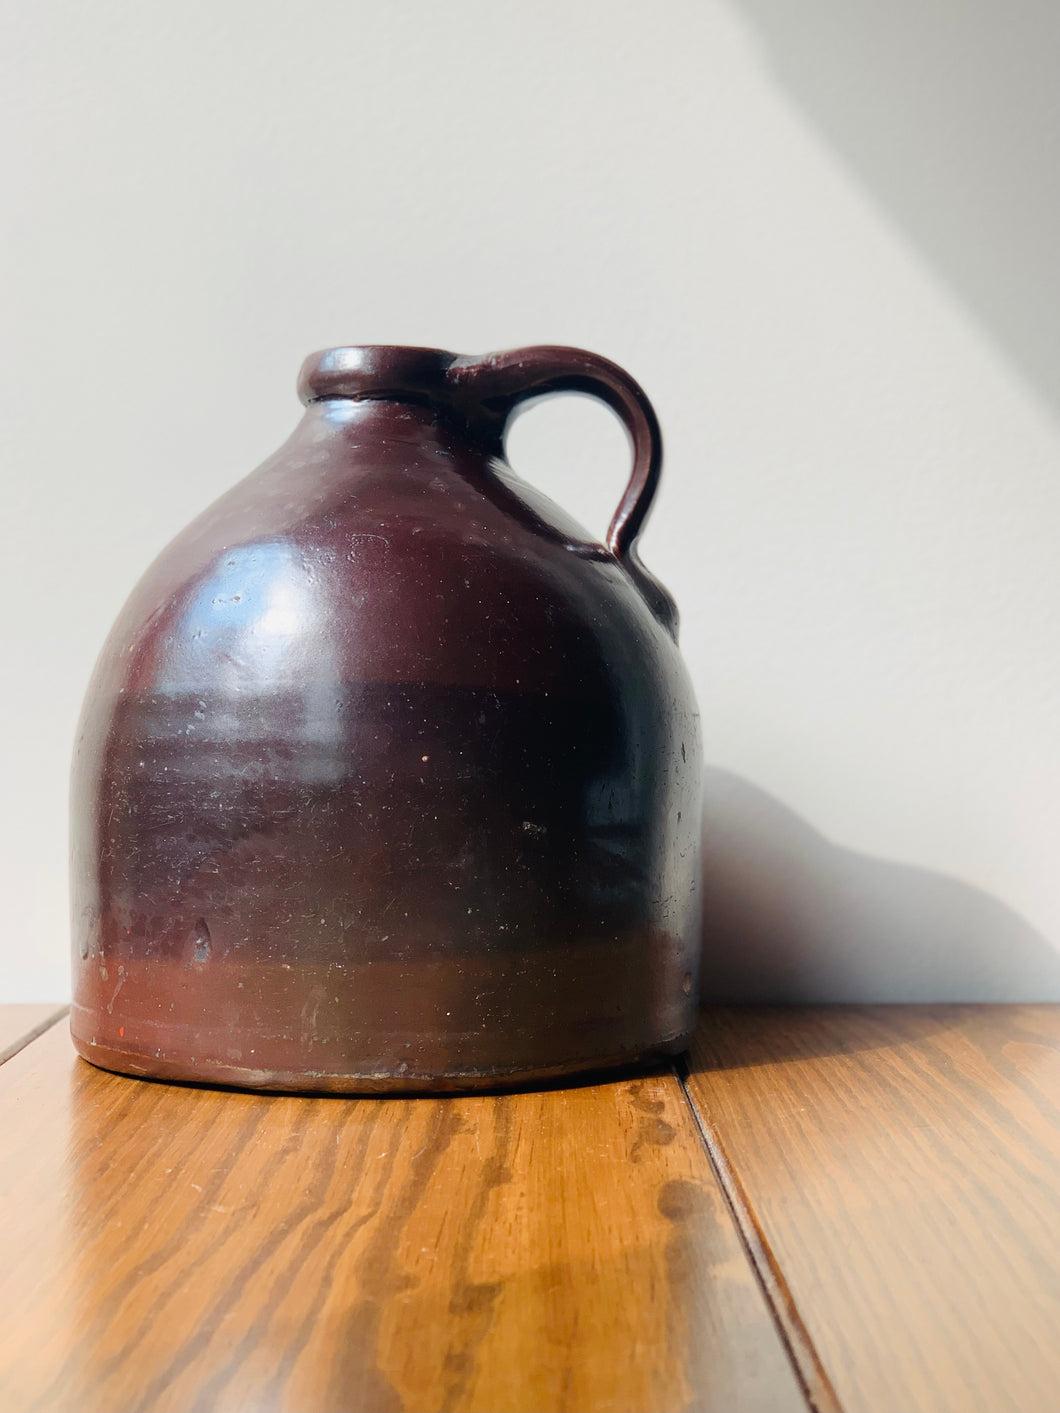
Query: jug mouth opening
{"x": 373, "y": 371}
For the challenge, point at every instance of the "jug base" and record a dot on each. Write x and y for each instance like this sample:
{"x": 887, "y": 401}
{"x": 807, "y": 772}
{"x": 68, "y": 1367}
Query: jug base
{"x": 211, "y": 1073}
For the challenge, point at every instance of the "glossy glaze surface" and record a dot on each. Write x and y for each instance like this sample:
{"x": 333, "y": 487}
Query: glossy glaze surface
{"x": 388, "y": 774}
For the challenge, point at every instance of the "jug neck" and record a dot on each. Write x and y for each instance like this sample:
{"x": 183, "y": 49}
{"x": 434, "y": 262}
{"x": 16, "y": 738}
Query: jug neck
{"x": 390, "y": 414}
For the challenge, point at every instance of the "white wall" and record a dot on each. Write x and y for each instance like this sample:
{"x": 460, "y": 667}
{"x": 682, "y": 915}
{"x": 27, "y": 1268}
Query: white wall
{"x": 824, "y": 238}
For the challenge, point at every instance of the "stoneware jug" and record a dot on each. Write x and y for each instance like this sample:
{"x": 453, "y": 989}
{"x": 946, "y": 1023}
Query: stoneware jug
{"x": 388, "y": 774}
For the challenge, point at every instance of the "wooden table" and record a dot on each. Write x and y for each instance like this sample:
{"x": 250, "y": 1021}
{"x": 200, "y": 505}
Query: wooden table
{"x": 853, "y": 1208}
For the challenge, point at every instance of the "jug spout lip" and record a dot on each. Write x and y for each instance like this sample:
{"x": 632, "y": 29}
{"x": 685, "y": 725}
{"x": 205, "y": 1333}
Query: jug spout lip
{"x": 373, "y": 371}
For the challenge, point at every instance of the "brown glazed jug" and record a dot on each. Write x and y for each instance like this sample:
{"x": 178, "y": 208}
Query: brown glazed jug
{"x": 388, "y": 774}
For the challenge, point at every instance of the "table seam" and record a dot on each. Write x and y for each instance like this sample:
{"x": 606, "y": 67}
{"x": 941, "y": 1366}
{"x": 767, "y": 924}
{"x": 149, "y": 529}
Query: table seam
{"x": 34, "y": 1033}
{"x": 810, "y": 1372}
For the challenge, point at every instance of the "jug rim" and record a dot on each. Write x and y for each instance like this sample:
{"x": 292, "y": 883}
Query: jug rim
{"x": 372, "y": 370}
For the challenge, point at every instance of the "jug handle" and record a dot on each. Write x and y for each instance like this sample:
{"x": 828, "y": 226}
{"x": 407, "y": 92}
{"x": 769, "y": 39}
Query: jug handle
{"x": 493, "y": 387}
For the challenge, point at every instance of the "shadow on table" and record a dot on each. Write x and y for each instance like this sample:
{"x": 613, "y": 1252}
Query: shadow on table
{"x": 791, "y": 917}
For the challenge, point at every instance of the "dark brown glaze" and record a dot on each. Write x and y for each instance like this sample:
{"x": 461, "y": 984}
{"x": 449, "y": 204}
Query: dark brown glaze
{"x": 388, "y": 774}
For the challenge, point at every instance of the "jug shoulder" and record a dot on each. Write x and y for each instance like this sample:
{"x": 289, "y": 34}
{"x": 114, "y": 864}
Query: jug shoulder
{"x": 411, "y": 564}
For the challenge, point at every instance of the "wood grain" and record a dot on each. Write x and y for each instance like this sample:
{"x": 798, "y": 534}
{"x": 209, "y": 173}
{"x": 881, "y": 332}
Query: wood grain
{"x": 176, "y": 1248}
{"x": 20, "y": 1023}
{"x": 897, "y": 1171}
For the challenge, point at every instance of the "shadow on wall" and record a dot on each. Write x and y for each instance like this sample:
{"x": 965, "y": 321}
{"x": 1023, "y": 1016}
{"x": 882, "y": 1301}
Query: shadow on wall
{"x": 789, "y": 916}
{"x": 948, "y": 113}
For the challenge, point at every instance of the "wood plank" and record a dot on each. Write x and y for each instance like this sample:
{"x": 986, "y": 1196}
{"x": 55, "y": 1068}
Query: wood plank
{"x": 896, "y": 1170}
{"x": 173, "y": 1248}
{"x": 22, "y": 1022}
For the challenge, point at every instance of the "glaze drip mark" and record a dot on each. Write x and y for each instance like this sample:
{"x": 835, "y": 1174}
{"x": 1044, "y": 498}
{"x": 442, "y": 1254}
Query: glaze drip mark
{"x": 121, "y": 983}
{"x": 202, "y": 941}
